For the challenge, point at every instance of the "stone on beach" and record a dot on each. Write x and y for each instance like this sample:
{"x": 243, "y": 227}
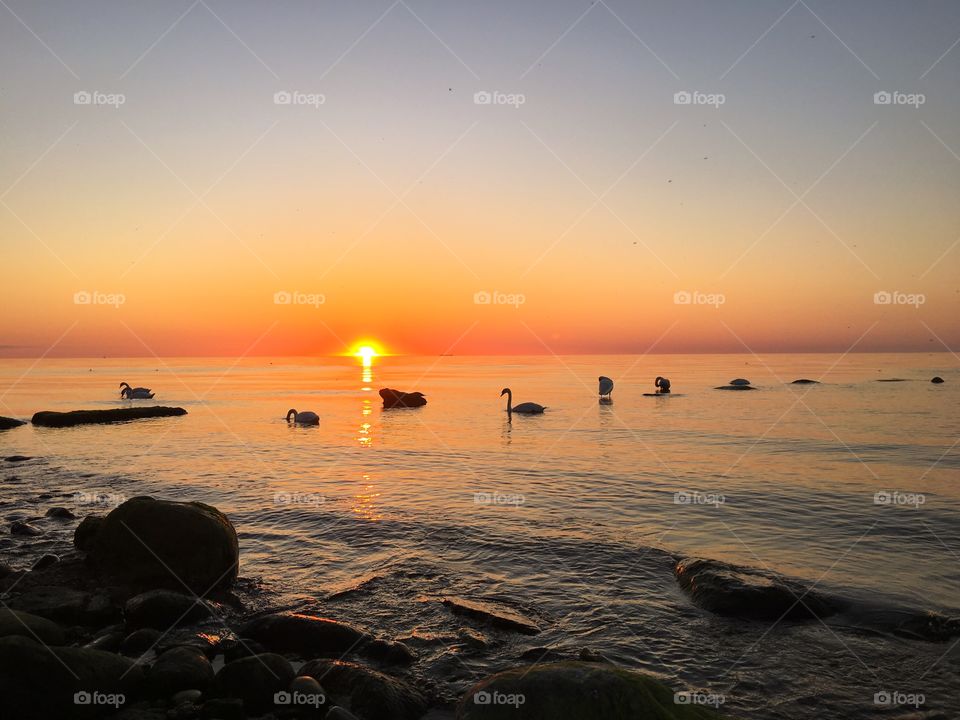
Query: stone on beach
{"x": 16, "y": 622}
{"x": 255, "y": 680}
{"x": 60, "y": 512}
{"x": 573, "y": 690}
{"x": 298, "y": 632}
{"x": 164, "y": 609}
{"x": 492, "y": 613}
{"x": 7, "y": 423}
{"x": 53, "y": 419}
{"x": 20, "y": 527}
{"x": 150, "y": 543}
{"x": 180, "y": 668}
{"x": 370, "y": 694}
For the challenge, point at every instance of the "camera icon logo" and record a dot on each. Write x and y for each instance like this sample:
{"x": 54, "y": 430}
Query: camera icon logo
{"x": 882, "y": 298}
{"x": 882, "y": 97}
{"x": 82, "y": 297}
{"x": 682, "y": 98}
{"x": 482, "y": 697}
{"x": 282, "y": 297}
{"x": 482, "y": 98}
{"x": 282, "y": 698}
{"x": 682, "y": 297}
{"x": 482, "y": 297}
{"x": 82, "y": 698}
{"x": 282, "y": 97}
{"x": 82, "y": 98}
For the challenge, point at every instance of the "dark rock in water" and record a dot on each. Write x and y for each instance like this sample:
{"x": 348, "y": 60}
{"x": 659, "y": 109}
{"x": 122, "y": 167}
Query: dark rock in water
{"x": 590, "y": 655}
{"x": 396, "y": 398}
{"x": 223, "y": 709}
{"x": 164, "y": 609}
{"x": 15, "y": 622}
{"x": 254, "y": 679}
{"x": 9, "y": 423}
{"x": 39, "y": 682}
{"x": 179, "y": 669}
{"x": 805, "y": 381}
{"x": 936, "y": 380}
{"x": 541, "y": 654}
{"x": 183, "y": 697}
{"x": 45, "y": 561}
{"x": 139, "y": 641}
{"x": 735, "y": 387}
{"x": 369, "y": 693}
{"x": 744, "y": 592}
{"x": 49, "y": 418}
{"x": 296, "y": 632}
{"x": 148, "y": 543}
{"x": 388, "y": 651}
{"x": 491, "y": 613}
{"x": 61, "y": 512}
{"x": 17, "y": 458}
{"x": 19, "y": 527}
{"x": 892, "y": 380}
{"x": 86, "y": 531}
{"x": 65, "y": 604}
{"x": 575, "y": 691}
{"x": 241, "y": 648}
{"x": 739, "y": 382}
{"x": 906, "y": 623}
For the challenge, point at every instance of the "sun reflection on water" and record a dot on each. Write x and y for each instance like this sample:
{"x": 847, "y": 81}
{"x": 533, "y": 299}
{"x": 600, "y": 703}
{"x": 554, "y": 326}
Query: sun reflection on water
{"x": 365, "y": 501}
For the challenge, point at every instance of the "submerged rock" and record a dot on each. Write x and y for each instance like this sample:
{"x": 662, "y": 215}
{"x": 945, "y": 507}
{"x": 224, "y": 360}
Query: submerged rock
{"x": 164, "y": 609}
{"x": 50, "y": 418}
{"x": 7, "y": 423}
{"x": 575, "y": 691}
{"x": 255, "y": 680}
{"x": 805, "y": 381}
{"x": 161, "y": 543}
{"x": 20, "y": 527}
{"x": 17, "y": 458}
{"x": 61, "y": 512}
{"x": 735, "y": 387}
{"x": 396, "y": 398}
{"x": 45, "y": 561}
{"x": 370, "y": 694}
{"x": 736, "y": 591}
{"x": 936, "y": 380}
{"x": 492, "y": 613}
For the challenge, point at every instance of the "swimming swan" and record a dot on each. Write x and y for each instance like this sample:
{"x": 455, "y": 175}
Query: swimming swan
{"x": 140, "y": 393}
{"x": 303, "y": 418}
{"x": 527, "y": 408}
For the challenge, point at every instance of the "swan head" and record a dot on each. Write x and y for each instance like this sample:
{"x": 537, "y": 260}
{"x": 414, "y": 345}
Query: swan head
{"x": 123, "y": 384}
{"x": 505, "y": 391}
{"x": 656, "y": 383}
{"x": 290, "y": 412}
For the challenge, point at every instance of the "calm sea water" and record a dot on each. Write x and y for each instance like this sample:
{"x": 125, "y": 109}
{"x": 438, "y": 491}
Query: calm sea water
{"x": 572, "y": 517}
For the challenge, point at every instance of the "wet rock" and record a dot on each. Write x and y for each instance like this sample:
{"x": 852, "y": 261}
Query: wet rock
{"x": 139, "y": 641}
{"x": 370, "y": 694}
{"x": 49, "y": 418}
{"x": 20, "y": 527}
{"x": 735, "y": 387}
{"x": 388, "y": 651}
{"x": 45, "y": 561}
{"x": 15, "y": 622}
{"x": 152, "y": 543}
{"x": 64, "y": 604}
{"x": 936, "y": 380}
{"x": 61, "y": 512}
{"x": 179, "y": 669}
{"x": 472, "y": 639}
{"x": 541, "y": 654}
{"x": 574, "y": 691}
{"x": 7, "y": 423}
{"x": 744, "y": 592}
{"x": 164, "y": 609}
{"x": 739, "y": 382}
{"x": 805, "y": 381}
{"x": 241, "y": 648}
{"x": 297, "y": 632}
{"x": 184, "y": 697}
{"x": 491, "y": 613}
{"x": 304, "y": 696}
{"x": 255, "y": 680}
{"x": 86, "y": 532}
{"x": 108, "y": 642}
{"x": 5, "y": 570}
{"x": 207, "y": 639}
{"x": 17, "y": 458}
{"x": 39, "y": 682}
{"x": 397, "y": 398}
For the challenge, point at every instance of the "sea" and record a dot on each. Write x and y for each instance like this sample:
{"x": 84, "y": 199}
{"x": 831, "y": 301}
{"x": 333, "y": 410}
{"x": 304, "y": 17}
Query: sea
{"x": 573, "y": 518}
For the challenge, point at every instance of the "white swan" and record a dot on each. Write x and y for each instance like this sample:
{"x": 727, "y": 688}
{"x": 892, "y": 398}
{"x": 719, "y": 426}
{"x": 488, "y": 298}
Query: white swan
{"x": 662, "y": 385}
{"x": 527, "y": 408}
{"x": 303, "y": 418}
{"x": 140, "y": 393}
{"x": 606, "y": 386}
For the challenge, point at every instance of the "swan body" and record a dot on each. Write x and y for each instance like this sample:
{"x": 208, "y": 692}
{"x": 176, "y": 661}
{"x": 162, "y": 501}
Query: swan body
{"x": 527, "y": 408}
{"x": 662, "y": 384}
{"x": 606, "y": 386}
{"x": 140, "y": 393}
{"x": 303, "y": 418}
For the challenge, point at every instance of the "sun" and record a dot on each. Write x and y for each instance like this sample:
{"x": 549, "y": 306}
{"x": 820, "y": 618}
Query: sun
{"x": 366, "y": 351}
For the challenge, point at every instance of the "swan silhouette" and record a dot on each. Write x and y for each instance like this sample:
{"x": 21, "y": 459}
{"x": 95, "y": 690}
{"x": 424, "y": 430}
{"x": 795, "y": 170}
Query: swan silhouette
{"x": 662, "y": 385}
{"x": 606, "y": 386}
{"x": 527, "y": 408}
{"x": 303, "y": 418}
{"x": 140, "y": 393}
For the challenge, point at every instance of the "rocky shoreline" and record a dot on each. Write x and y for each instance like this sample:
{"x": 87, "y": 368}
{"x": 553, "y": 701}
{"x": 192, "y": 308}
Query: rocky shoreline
{"x": 147, "y": 619}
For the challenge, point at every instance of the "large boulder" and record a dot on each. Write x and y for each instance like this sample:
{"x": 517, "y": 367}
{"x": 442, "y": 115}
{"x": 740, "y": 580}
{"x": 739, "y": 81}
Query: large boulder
{"x": 578, "y": 691}
{"x": 308, "y": 634}
{"x": 370, "y": 695}
{"x": 85, "y": 535}
{"x": 737, "y": 591}
{"x": 14, "y": 622}
{"x": 41, "y": 682}
{"x": 150, "y": 543}
{"x": 65, "y": 604}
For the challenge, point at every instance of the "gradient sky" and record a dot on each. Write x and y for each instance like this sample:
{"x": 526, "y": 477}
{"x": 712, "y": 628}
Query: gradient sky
{"x": 399, "y": 197}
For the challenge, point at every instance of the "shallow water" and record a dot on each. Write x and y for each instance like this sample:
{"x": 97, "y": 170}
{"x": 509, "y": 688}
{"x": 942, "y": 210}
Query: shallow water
{"x": 572, "y": 517}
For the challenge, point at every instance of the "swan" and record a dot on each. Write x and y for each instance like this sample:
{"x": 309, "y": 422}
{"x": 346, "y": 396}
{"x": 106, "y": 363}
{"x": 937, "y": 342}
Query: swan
{"x": 396, "y": 398}
{"x": 606, "y": 386}
{"x": 303, "y": 418}
{"x": 662, "y": 385}
{"x": 527, "y": 408}
{"x": 140, "y": 393}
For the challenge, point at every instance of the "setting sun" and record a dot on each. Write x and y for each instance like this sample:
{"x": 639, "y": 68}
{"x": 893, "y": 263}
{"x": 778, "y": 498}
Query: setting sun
{"x": 366, "y": 353}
